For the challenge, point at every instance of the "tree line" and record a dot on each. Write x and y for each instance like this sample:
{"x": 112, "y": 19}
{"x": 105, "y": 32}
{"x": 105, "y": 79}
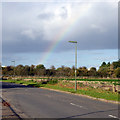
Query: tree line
{"x": 111, "y": 70}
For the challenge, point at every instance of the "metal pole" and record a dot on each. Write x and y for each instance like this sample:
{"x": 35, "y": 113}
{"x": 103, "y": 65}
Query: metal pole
{"x": 75, "y": 62}
{"x": 75, "y": 66}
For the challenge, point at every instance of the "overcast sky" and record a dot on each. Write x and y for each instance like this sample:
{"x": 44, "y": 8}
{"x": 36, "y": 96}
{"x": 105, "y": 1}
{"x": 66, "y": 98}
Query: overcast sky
{"x": 38, "y": 32}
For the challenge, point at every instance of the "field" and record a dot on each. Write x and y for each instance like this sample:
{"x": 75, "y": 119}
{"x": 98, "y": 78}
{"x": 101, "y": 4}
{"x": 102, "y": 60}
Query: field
{"x": 97, "y": 88}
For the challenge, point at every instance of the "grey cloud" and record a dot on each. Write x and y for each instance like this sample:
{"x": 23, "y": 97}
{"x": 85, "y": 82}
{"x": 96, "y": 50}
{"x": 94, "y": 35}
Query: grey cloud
{"x": 88, "y": 39}
{"x": 64, "y": 12}
{"x": 94, "y": 41}
{"x": 119, "y": 29}
{"x": 23, "y": 45}
{"x": 46, "y": 16}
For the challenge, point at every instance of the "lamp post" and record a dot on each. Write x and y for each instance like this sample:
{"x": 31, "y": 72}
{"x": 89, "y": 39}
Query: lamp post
{"x": 14, "y": 66}
{"x": 75, "y": 62}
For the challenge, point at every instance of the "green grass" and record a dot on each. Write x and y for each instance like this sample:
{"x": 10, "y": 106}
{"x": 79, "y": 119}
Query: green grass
{"x": 97, "y": 93}
{"x": 103, "y": 80}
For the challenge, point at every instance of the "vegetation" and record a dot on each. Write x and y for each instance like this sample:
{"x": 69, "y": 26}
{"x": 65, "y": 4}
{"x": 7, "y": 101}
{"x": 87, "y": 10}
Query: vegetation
{"x": 111, "y": 70}
{"x": 69, "y": 87}
{"x": 97, "y": 93}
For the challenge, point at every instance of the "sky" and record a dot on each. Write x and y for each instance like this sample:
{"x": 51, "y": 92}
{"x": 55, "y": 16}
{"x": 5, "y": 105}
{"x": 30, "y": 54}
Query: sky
{"x": 38, "y": 32}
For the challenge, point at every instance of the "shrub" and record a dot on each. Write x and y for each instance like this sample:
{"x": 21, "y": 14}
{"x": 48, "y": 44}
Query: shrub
{"x": 53, "y": 82}
{"x": 44, "y": 82}
{"x": 81, "y": 84}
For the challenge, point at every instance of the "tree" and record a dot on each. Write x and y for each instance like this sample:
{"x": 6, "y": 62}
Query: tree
{"x": 103, "y": 64}
{"x": 48, "y": 72}
{"x": 60, "y": 71}
{"x": 72, "y": 72}
{"x": 32, "y": 70}
{"x": 92, "y": 71}
{"x": 40, "y": 70}
{"x": 19, "y": 70}
{"x": 8, "y": 71}
{"x": 82, "y": 71}
{"x": 117, "y": 72}
{"x": 103, "y": 71}
{"x": 40, "y": 66}
{"x": 67, "y": 71}
{"x": 52, "y": 67}
{"x": 108, "y": 65}
{"x": 26, "y": 70}
{"x": 63, "y": 71}
{"x": 51, "y": 71}
{"x": 116, "y": 64}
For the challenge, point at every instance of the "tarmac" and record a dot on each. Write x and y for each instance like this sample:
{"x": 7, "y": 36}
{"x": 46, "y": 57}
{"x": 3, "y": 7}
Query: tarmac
{"x": 6, "y": 111}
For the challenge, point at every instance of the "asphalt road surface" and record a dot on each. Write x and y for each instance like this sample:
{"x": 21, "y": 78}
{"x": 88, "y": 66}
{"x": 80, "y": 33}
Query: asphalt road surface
{"x": 43, "y": 103}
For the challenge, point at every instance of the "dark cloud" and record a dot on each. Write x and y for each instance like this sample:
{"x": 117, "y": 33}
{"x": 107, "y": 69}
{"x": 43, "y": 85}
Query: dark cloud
{"x": 90, "y": 41}
{"x": 119, "y": 30}
{"x": 24, "y": 45}
{"x": 96, "y": 30}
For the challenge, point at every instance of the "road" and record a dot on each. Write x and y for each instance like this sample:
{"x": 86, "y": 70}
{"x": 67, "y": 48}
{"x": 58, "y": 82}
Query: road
{"x": 43, "y": 103}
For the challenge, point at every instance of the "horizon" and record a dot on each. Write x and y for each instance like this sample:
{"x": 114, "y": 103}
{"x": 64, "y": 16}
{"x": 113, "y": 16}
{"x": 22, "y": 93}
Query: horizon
{"x": 61, "y": 65}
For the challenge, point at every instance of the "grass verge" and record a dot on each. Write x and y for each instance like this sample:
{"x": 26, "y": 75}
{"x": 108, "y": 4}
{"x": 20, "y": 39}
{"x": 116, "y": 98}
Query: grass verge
{"x": 97, "y": 93}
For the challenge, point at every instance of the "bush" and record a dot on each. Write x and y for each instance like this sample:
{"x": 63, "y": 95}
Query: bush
{"x": 53, "y": 82}
{"x": 31, "y": 80}
{"x": 44, "y": 82}
{"x": 8, "y": 78}
{"x": 81, "y": 84}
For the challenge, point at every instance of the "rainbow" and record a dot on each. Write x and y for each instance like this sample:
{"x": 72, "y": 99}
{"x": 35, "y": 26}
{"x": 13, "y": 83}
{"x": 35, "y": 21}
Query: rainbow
{"x": 63, "y": 33}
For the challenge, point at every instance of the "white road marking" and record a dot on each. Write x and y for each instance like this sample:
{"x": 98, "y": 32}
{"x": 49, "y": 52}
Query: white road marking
{"x": 112, "y": 116}
{"x": 78, "y": 105}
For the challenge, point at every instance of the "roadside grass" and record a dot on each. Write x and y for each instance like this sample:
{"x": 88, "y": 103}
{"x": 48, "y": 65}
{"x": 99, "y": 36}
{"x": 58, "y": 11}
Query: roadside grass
{"x": 97, "y": 93}
{"x": 102, "y": 80}
{"x": 66, "y": 86}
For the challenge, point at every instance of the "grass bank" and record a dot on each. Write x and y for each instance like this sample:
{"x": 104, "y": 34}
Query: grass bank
{"x": 69, "y": 87}
{"x": 97, "y": 93}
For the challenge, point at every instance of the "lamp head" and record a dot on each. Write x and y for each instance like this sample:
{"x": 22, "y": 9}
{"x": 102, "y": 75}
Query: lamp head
{"x": 72, "y": 41}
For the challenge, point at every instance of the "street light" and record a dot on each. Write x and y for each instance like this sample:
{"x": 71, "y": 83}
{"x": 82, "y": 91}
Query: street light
{"x": 14, "y": 66}
{"x": 75, "y": 62}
